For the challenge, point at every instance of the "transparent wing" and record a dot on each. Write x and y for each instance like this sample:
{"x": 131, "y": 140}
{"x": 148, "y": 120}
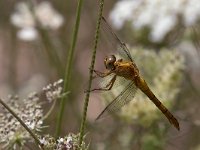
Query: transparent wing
{"x": 113, "y": 38}
{"x": 122, "y": 99}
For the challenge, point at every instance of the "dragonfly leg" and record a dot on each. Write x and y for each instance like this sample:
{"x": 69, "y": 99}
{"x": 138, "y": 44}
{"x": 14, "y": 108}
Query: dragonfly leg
{"x": 107, "y": 87}
{"x": 102, "y": 74}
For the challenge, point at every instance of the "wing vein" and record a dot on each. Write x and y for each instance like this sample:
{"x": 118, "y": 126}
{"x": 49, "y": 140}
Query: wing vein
{"x": 122, "y": 46}
{"x": 123, "y": 98}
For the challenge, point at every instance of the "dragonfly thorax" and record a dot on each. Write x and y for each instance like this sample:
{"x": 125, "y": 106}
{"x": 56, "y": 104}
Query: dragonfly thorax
{"x": 109, "y": 62}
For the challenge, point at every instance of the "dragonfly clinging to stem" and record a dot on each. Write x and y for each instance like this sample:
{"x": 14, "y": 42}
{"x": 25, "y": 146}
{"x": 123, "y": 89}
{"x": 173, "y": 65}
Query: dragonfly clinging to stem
{"x": 126, "y": 68}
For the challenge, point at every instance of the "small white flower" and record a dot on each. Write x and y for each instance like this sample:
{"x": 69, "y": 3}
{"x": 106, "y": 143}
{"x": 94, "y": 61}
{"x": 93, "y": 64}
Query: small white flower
{"x": 60, "y": 140}
{"x": 43, "y": 141}
{"x": 22, "y": 18}
{"x": 123, "y": 11}
{"x": 44, "y": 12}
{"x": 159, "y": 16}
{"x": 27, "y": 34}
{"x": 69, "y": 139}
{"x": 192, "y": 12}
{"x": 53, "y": 91}
{"x": 48, "y": 16}
{"x": 162, "y": 27}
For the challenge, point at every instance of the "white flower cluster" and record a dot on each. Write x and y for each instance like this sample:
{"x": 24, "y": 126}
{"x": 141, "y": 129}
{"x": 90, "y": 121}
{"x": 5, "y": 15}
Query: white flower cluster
{"x": 30, "y": 112}
{"x": 65, "y": 143}
{"x": 53, "y": 91}
{"x": 24, "y": 19}
{"x": 160, "y": 16}
{"x": 69, "y": 142}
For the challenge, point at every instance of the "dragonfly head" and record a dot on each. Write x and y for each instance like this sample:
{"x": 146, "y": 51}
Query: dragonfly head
{"x": 109, "y": 62}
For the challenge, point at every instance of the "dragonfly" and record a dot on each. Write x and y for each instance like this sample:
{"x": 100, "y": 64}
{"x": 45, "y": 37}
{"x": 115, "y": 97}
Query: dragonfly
{"x": 126, "y": 69}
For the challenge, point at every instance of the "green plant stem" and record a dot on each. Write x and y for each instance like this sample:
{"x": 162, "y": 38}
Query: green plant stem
{"x": 22, "y": 123}
{"x": 86, "y": 101}
{"x": 68, "y": 67}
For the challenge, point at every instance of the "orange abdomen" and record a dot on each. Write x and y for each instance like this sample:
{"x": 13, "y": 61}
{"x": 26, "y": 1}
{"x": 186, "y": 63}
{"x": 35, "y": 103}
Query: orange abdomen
{"x": 142, "y": 85}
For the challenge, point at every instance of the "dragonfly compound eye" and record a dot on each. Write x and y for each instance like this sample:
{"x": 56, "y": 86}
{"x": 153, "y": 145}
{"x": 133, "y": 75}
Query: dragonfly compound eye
{"x": 109, "y": 62}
